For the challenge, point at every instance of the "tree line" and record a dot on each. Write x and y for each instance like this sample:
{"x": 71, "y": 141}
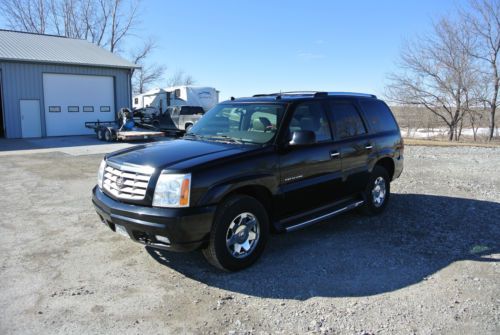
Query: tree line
{"x": 106, "y": 23}
{"x": 453, "y": 71}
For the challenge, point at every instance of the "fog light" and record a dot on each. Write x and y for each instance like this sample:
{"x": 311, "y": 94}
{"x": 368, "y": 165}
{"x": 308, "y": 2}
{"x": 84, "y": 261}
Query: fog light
{"x": 162, "y": 239}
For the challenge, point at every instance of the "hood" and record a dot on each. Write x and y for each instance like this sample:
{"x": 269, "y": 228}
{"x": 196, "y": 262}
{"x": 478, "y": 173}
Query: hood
{"x": 164, "y": 154}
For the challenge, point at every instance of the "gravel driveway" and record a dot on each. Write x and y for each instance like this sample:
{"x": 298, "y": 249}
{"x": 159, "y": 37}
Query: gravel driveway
{"x": 429, "y": 265}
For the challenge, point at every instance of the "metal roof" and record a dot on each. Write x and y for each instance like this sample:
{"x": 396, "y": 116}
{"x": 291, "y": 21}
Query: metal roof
{"x": 28, "y": 47}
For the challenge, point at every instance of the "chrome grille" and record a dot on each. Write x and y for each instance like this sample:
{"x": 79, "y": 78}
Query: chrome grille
{"x": 127, "y": 182}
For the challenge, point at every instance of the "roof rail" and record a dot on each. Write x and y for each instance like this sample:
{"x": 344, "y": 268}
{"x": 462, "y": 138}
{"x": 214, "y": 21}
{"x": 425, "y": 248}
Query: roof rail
{"x": 353, "y": 94}
{"x": 315, "y": 94}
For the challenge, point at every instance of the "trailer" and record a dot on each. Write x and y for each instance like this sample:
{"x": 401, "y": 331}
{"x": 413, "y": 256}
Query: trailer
{"x": 110, "y": 131}
{"x": 162, "y": 98}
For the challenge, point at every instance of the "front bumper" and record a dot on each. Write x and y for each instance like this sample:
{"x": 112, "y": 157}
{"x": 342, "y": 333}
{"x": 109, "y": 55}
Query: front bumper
{"x": 186, "y": 228}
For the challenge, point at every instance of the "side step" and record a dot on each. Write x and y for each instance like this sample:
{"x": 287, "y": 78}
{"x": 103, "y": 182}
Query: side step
{"x": 324, "y": 216}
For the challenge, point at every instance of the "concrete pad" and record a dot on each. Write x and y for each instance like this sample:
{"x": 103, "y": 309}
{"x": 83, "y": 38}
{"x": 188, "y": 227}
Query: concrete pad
{"x": 71, "y": 145}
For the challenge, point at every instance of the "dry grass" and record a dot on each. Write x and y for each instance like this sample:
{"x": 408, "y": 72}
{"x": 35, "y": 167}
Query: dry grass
{"x": 446, "y": 143}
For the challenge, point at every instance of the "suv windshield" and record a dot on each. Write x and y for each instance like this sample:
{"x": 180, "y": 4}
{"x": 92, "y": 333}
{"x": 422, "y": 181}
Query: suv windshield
{"x": 239, "y": 123}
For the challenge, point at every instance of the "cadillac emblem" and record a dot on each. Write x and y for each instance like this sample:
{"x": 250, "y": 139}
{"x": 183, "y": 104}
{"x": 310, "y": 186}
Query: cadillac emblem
{"x": 120, "y": 182}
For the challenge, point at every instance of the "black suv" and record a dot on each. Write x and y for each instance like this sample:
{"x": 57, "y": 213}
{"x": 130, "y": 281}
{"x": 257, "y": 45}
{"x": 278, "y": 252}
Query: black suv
{"x": 251, "y": 166}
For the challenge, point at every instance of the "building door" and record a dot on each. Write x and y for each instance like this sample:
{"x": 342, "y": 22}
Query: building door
{"x": 30, "y": 118}
{"x": 2, "y": 126}
{"x": 71, "y": 100}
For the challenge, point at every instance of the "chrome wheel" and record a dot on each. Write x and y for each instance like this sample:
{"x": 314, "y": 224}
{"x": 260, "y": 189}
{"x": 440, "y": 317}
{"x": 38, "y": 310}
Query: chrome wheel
{"x": 242, "y": 235}
{"x": 379, "y": 192}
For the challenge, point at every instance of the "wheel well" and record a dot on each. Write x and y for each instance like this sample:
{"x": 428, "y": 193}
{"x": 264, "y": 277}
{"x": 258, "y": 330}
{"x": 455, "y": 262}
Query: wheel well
{"x": 188, "y": 124}
{"x": 388, "y": 164}
{"x": 260, "y": 193}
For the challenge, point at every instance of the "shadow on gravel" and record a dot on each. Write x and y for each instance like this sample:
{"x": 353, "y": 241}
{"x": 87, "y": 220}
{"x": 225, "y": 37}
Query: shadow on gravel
{"x": 353, "y": 255}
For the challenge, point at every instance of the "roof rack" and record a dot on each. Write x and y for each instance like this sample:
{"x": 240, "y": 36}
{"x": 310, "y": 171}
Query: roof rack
{"x": 316, "y": 94}
{"x": 353, "y": 94}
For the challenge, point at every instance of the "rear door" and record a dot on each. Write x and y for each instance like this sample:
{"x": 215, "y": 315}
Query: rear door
{"x": 354, "y": 143}
{"x": 310, "y": 175}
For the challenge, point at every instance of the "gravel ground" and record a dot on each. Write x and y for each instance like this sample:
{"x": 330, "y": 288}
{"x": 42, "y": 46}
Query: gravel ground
{"x": 429, "y": 265}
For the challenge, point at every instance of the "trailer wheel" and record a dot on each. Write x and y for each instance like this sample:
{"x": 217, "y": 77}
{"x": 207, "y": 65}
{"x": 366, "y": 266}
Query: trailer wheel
{"x": 100, "y": 134}
{"x": 108, "y": 136}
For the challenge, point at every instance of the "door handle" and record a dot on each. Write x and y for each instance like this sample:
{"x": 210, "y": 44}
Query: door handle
{"x": 369, "y": 147}
{"x": 334, "y": 154}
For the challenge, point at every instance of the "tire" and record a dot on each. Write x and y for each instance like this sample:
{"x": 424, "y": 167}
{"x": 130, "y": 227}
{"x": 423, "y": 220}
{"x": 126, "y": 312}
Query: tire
{"x": 100, "y": 134}
{"x": 108, "y": 135}
{"x": 378, "y": 183}
{"x": 188, "y": 127}
{"x": 228, "y": 256}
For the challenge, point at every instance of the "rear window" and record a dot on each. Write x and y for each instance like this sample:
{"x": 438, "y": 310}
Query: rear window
{"x": 378, "y": 115}
{"x": 191, "y": 110}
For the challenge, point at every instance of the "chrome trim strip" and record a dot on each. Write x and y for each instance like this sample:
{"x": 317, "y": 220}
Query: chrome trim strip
{"x": 324, "y": 216}
{"x": 132, "y": 168}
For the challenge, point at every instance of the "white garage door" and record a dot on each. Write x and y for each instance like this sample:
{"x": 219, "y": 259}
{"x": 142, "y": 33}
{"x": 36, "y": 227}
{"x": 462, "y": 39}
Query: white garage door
{"x": 72, "y": 100}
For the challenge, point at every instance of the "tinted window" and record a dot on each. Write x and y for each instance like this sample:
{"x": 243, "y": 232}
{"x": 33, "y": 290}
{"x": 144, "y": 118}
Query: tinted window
{"x": 311, "y": 116}
{"x": 191, "y": 110}
{"x": 348, "y": 122}
{"x": 378, "y": 115}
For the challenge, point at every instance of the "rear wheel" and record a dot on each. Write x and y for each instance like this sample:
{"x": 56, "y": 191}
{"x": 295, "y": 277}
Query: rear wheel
{"x": 239, "y": 233}
{"x": 100, "y": 134}
{"x": 377, "y": 191}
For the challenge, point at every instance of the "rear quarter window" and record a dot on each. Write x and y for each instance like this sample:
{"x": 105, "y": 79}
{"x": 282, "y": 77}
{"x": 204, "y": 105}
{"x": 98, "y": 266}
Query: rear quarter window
{"x": 378, "y": 115}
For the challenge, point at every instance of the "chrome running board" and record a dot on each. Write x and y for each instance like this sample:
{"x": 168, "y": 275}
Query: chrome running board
{"x": 324, "y": 216}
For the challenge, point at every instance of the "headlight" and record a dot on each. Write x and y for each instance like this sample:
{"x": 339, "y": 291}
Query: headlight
{"x": 100, "y": 173}
{"x": 172, "y": 190}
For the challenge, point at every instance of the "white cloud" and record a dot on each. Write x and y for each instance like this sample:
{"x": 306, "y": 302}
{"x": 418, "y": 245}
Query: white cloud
{"x": 310, "y": 55}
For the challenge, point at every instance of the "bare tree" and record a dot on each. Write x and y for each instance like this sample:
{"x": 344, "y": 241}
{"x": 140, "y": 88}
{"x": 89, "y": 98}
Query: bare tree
{"x": 103, "y": 22}
{"x": 483, "y": 21}
{"x": 180, "y": 78}
{"x": 437, "y": 73}
{"x": 147, "y": 74}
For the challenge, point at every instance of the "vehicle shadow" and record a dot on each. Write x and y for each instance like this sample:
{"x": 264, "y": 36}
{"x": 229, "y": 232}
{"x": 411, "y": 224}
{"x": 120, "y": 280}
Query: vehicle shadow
{"x": 353, "y": 255}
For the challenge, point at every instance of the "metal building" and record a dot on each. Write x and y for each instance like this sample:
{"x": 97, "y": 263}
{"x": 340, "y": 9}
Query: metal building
{"x": 51, "y": 85}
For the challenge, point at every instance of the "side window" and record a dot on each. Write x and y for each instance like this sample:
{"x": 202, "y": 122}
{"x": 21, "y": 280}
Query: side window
{"x": 311, "y": 116}
{"x": 347, "y": 120}
{"x": 378, "y": 115}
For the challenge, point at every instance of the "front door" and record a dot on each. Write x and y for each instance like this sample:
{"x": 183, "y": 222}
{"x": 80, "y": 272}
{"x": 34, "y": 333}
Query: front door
{"x": 30, "y": 118}
{"x": 310, "y": 175}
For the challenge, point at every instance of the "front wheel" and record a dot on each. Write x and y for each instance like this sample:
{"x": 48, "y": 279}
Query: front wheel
{"x": 108, "y": 135}
{"x": 239, "y": 233}
{"x": 377, "y": 191}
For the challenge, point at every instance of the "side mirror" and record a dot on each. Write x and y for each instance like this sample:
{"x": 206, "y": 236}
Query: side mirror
{"x": 303, "y": 137}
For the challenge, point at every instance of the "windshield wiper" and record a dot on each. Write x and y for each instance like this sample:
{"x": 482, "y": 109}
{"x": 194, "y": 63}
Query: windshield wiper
{"x": 224, "y": 138}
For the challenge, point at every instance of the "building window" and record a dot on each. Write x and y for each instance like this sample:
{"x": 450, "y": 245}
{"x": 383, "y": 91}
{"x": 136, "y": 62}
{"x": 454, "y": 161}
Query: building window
{"x": 88, "y": 109}
{"x": 55, "y": 109}
{"x": 105, "y": 109}
{"x": 73, "y": 109}
{"x": 136, "y": 101}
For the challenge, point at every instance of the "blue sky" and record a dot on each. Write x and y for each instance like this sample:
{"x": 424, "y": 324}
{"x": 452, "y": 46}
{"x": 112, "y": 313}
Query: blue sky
{"x": 248, "y": 47}
{"x": 255, "y": 46}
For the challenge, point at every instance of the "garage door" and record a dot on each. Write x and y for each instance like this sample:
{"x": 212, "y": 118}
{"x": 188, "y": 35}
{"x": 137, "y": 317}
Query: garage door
{"x": 72, "y": 100}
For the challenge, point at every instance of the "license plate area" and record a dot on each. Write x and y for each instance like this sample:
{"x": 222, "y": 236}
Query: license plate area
{"x": 121, "y": 230}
